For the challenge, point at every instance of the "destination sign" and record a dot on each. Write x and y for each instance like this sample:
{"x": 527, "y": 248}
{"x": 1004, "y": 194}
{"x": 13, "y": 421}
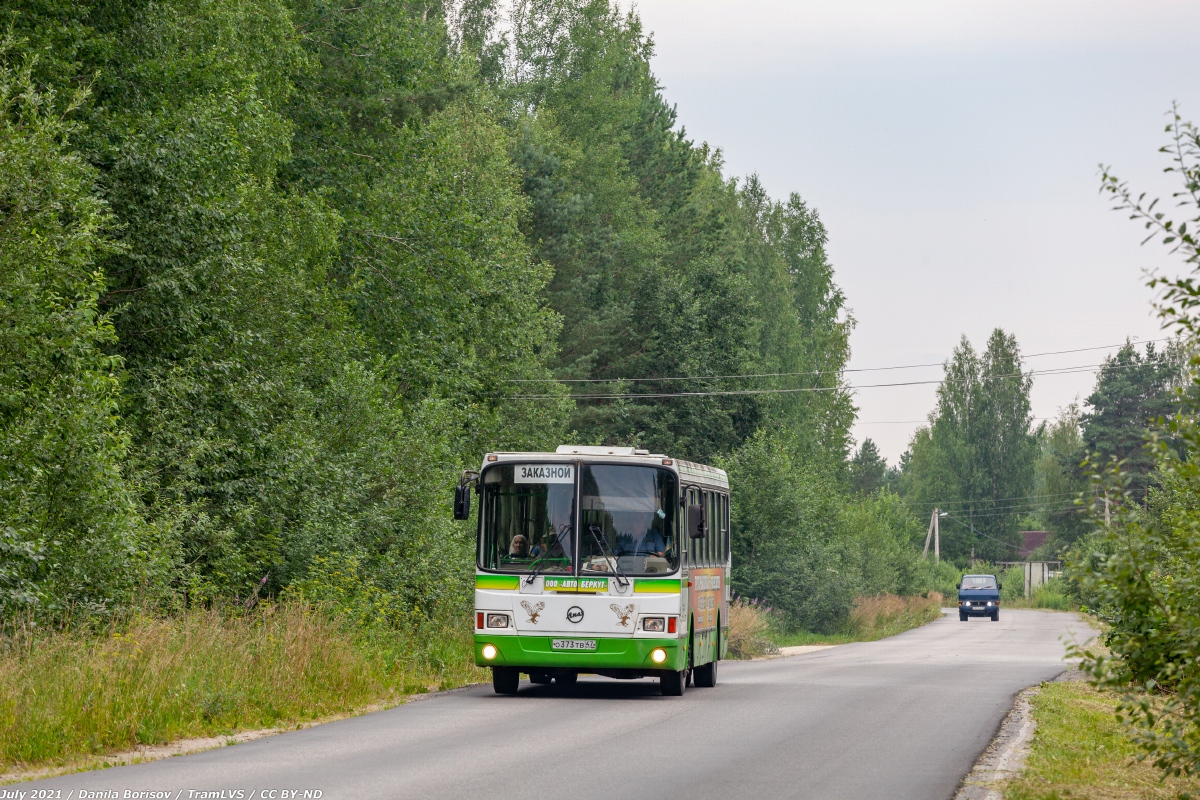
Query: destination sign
{"x": 575, "y": 584}
{"x": 544, "y": 473}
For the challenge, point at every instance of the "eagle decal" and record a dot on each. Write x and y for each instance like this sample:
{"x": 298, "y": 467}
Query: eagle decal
{"x": 623, "y": 614}
{"x": 533, "y": 610}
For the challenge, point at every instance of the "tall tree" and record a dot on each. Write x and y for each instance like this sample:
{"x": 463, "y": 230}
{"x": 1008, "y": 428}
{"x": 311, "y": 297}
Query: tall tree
{"x": 70, "y": 534}
{"x": 663, "y": 268}
{"x": 1059, "y": 480}
{"x": 868, "y": 469}
{"x": 976, "y": 458}
{"x": 1133, "y": 390}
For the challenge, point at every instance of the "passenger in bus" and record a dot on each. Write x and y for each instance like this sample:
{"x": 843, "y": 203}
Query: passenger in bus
{"x": 518, "y": 547}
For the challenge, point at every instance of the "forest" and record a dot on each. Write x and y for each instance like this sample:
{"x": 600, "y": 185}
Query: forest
{"x": 273, "y": 272}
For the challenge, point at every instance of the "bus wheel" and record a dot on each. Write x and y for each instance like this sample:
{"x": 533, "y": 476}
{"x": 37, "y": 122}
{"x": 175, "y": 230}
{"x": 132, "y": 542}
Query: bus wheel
{"x": 505, "y": 680}
{"x": 706, "y": 675}
{"x": 566, "y": 679}
{"x": 673, "y": 683}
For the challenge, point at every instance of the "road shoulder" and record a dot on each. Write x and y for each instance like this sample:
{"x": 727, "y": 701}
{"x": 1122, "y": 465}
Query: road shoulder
{"x": 184, "y": 747}
{"x": 1005, "y": 757}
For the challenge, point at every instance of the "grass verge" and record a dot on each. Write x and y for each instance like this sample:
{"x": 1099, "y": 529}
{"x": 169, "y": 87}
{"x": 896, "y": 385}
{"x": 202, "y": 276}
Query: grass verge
{"x": 755, "y": 631}
{"x": 1080, "y": 750}
{"x": 151, "y": 681}
{"x": 886, "y": 615}
{"x": 1051, "y": 596}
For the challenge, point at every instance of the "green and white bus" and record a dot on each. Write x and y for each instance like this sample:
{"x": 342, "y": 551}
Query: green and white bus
{"x": 601, "y": 560}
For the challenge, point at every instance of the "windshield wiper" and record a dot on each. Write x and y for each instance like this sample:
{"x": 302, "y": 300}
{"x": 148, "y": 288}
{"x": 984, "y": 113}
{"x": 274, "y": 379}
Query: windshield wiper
{"x": 597, "y": 534}
{"x": 535, "y": 568}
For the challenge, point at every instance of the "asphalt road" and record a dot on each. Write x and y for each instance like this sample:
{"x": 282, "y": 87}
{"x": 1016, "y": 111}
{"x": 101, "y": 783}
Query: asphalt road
{"x": 905, "y": 717}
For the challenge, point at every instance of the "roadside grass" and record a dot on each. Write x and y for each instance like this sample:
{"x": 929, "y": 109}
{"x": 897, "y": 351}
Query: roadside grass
{"x": 755, "y": 631}
{"x": 1049, "y": 596}
{"x": 887, "y": 614}
{"x": 65, "y": 696}
{"x": 1080, "y": 750}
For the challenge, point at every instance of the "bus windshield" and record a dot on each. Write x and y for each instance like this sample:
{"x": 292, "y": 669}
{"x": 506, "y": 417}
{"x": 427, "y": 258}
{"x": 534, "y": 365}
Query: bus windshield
{"x": 978, "y": 582}
{"x": 527, "y": 514}
{"x": 628, "y": 519}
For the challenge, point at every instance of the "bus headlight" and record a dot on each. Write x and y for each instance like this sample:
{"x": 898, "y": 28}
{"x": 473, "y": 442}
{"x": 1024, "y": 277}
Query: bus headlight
{"x": 497, "y": 620}
{"x": 489, "y": 651}
{"x": 658, "y": 655}
{"x": 654, "y": 624}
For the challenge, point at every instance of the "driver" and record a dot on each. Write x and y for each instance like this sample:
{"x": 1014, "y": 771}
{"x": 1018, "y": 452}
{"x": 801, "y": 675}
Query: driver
{"x": 654, "y": 542}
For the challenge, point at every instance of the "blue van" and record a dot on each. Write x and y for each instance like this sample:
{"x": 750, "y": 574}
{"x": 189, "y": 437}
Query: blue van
{"x": 979, "y": 596}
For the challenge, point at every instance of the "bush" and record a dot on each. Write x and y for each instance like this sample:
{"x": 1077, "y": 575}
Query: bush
{"x": 1141, "y": 574}
{"x": 886, "y": 615}
{"x": 807, "y": 549}
{"x": 1052, "y": 595}
{"x": 749, "y": 625}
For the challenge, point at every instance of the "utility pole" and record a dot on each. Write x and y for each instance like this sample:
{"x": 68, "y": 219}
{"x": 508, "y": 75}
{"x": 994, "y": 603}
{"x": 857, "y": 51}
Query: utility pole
{"x": 936, "y": 535}
{"x": 1107, "y": 512}
{"x": 929, "y": 535}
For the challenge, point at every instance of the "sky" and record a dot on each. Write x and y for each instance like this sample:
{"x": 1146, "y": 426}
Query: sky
{"x": 952, "y": 150}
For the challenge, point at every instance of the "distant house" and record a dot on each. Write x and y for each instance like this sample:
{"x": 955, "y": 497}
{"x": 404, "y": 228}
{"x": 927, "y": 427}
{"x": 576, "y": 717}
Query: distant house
{"x": 1032, "y": 540}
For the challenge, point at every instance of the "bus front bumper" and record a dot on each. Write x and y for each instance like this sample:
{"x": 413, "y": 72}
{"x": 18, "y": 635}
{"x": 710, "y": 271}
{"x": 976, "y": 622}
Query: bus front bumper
{"x": 614, "y": 653}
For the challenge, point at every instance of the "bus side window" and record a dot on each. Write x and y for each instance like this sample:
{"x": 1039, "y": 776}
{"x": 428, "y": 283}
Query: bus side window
{"x": 720, "y": 530}
{"x": 713, "y": 525}
{"x": 728, "y": 532}
{"x": 693, "y": 545}
{"x": 711, "y": 540}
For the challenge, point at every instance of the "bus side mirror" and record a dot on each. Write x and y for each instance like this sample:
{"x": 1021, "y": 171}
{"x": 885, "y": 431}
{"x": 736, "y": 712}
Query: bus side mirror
{"x": 958, "y": 586}
{"x": 999, "y": 585}
{"x": 695, "y": 521}
{"x": 462, "y": 501}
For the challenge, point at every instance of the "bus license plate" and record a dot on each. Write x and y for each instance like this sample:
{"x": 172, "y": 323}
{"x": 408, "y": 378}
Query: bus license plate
{"x": 572, "y": 644}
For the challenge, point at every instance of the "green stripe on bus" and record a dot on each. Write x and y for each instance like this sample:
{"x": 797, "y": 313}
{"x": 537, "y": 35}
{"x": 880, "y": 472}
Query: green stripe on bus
{"x": 656, "y": 586}
{"x": 497, "y": 582}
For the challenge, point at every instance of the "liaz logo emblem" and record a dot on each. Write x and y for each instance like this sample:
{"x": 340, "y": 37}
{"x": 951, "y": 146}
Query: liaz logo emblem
{"x": 574, "y": 614}
{"x": 623, "y": 614}
{"x": 532, "y": 610}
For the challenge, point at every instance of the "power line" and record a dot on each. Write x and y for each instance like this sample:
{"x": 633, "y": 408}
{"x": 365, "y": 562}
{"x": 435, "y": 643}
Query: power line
{"x": 984, "y": 535}
{"x": 792, "y": 374}
{"x": 1006, "y": 512}
{"x": 802, "y": 390}
{"x": 921, "y": 421}
{"x": 1009, "y": 509}
{"x": 1000, "y": 499}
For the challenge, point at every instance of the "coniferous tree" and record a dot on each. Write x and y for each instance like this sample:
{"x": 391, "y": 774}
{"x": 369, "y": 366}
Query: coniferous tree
{"x": 868, "y": 469}
{"x": 1133, "y": 390}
